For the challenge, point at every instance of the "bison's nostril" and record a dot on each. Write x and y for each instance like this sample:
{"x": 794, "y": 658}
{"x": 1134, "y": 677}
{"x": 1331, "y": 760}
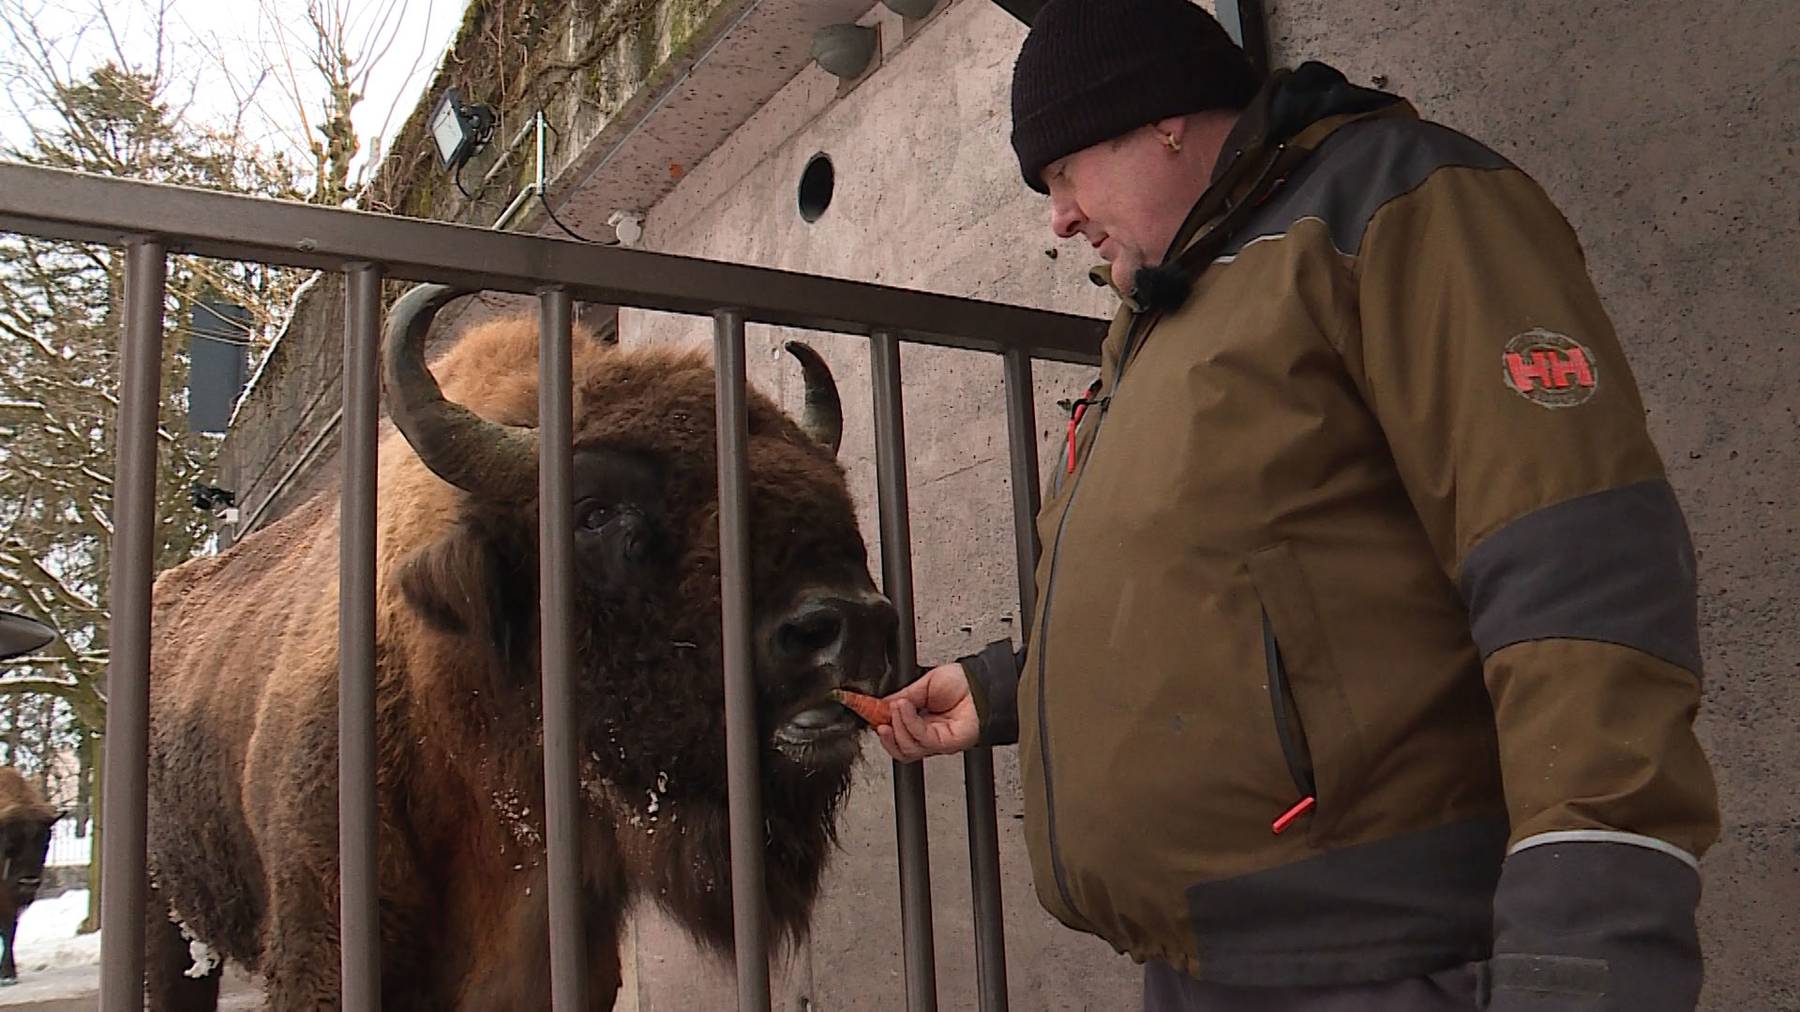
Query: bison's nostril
{"x": 815, "y": 632}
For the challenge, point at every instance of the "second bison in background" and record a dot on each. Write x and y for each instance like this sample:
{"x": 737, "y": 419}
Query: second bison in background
{"x": 243, "y": 776}
{"x": 25, "y": 822}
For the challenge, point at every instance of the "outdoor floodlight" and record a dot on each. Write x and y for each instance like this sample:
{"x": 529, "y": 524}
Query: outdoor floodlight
{"x": 844, "y": 50}
{"x": 21, "y": 635}
{"x": 459, "y": 129}
{"x": 212, "y": 498}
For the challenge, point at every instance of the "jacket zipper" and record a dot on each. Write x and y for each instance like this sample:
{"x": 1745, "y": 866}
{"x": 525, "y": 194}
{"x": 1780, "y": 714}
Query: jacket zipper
{"x": 1288, "y": 731}
{"x": 1104, "y": 404}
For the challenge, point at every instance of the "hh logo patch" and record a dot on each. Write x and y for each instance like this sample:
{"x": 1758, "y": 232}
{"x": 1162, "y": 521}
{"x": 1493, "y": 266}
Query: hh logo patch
{"x": 1549, "y": 369}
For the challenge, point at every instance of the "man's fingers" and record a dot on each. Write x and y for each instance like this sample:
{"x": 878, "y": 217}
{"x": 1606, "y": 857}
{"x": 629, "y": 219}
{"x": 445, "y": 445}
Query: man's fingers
{"x": 903, "y": 730}
{"x": 886, "y": 734}
{"x": 916, "y": 725}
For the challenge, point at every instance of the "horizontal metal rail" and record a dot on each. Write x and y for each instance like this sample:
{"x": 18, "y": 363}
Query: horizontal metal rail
{"x": 154, "y": 220}
{"x": 59, "y": 204}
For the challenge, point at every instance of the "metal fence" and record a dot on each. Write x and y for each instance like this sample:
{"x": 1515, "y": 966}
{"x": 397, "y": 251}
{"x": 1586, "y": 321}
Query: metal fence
{"x": 152, "y": 221}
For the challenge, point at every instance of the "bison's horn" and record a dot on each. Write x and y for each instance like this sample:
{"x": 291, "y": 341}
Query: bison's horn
{"x": 486, "y": 459}
{"x": 824, "y": 416}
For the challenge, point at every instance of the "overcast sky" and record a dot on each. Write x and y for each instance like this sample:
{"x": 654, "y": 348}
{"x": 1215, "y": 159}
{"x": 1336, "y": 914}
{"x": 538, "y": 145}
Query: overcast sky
{"x": 402, "y": 40}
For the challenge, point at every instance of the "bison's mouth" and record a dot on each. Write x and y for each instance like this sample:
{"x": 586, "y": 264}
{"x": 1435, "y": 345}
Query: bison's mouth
{"x": 818, "y": 733}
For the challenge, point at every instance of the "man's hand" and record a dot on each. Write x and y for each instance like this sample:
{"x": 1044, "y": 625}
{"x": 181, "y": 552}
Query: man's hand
{"x": 933, "y": 716}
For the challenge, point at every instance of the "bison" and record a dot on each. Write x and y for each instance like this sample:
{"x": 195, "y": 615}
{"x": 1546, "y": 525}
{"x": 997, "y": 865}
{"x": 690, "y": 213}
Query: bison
{"x": 243, "y": 765}
{"x": 25, "y": 821}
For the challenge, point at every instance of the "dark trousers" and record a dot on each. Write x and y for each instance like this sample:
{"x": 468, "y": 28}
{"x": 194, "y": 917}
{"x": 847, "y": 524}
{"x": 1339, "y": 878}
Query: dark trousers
{"x": 1167, "y": 989}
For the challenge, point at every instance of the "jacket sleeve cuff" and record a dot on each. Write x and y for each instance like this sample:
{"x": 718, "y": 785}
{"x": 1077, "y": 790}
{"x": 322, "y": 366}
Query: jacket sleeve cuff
{"x": 1595, "y": 920}
{"x": 994, "y": 685}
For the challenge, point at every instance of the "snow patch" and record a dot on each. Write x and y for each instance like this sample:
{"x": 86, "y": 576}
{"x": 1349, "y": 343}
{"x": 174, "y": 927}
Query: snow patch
{"x": 48, "y": 939}
{"x": 205, "y": 960}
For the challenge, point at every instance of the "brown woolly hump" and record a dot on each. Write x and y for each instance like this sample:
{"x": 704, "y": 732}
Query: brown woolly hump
{"x": 20, "y": 800}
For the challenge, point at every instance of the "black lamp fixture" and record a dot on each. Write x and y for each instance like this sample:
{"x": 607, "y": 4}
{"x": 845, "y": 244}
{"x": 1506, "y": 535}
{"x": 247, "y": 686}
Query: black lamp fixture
{"x": 459, "y": 128}
{"x": 211, "y": 498}
{"x": 21, "y": 635}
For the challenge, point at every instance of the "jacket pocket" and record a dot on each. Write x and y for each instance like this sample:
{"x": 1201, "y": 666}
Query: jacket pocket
{"x": 1289, "y": 732}
{"x": 1318, "y": 734}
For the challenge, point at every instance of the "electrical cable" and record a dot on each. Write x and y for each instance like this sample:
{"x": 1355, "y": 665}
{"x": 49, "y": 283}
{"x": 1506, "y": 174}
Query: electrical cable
{"x": 545, "y": 201}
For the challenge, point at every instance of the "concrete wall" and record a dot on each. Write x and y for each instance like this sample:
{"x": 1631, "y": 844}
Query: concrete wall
{"x": 1662, "y": 128}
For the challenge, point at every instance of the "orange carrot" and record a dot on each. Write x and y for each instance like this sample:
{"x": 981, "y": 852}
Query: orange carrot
{"x": 872, "y": 710}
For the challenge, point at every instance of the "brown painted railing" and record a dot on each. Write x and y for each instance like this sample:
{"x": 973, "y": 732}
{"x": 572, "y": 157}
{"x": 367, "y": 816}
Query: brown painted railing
{"x": 152, "y": 221}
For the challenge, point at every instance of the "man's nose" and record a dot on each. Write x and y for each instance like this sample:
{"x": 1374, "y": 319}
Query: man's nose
{"x": 1065, "y": 218}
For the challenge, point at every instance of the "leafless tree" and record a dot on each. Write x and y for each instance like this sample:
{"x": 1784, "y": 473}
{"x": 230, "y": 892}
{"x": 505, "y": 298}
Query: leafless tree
{"x": 95, "y": 96}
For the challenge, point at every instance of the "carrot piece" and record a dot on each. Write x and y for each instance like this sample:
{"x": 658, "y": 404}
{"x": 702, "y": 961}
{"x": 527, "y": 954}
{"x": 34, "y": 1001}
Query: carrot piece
{"x": 873, "y": 711}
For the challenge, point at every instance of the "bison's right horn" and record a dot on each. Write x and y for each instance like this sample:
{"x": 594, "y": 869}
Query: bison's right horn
{"x": 486, "y": 459}
{"x": 823, "y": 419}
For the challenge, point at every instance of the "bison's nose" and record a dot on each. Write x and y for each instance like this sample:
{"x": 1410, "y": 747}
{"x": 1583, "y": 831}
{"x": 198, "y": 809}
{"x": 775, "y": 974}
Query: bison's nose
{"x": 849, "y": 636}
{"x": 815, "y": 633}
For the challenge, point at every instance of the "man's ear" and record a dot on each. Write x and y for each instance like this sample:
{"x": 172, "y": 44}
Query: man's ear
{"x": 1173, "y": 126}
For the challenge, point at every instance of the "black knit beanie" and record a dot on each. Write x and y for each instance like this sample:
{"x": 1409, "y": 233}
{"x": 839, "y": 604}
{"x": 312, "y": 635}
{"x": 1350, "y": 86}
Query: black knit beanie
{"x": 1091, "y": 70}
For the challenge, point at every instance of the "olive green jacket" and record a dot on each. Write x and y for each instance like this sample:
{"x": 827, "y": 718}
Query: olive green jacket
{"x": 1366, "y": 641}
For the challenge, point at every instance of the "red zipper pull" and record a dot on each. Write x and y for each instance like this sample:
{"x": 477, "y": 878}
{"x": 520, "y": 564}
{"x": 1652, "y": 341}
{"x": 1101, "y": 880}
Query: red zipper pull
{"x": 1074, "y": 423}
{"x": 1300, "y": 808}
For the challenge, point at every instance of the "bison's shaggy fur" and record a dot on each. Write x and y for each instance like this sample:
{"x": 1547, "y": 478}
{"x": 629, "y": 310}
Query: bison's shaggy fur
{"x": 25, "y": 821}
{"x": 244, "y": 825}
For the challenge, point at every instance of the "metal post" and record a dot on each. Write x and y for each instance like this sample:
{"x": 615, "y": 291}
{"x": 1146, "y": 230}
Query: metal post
{"x": 984, "y": 873}
{"x": 360, "y": 951}
{"x": 1248, "y": 26}
{"x": 896, "y": 580}
{"x": 743, "y": 749}
{"x": 125, "y": 884}
{"x": 556, "y": 575}
{"x": 1021, "y": 441}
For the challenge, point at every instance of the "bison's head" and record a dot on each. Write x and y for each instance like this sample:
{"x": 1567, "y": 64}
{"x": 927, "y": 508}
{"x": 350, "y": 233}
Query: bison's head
{"x": 648, "y": 625}
{"x": 24, "y": 841}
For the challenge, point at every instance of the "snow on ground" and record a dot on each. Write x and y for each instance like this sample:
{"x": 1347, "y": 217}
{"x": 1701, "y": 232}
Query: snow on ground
{"x": 67, "y": 849}
{"x": 47, "y": 938}
{"x": 59, "y": 969}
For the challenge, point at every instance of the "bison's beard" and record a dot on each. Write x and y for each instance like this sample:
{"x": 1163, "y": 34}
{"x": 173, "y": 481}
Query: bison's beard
{"x": 652, "y": 723}
{"x": 692, "y": 846}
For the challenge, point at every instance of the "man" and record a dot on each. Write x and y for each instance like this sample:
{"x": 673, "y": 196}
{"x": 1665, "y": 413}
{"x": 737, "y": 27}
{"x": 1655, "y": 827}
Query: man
{"x": 1366, "y": 653}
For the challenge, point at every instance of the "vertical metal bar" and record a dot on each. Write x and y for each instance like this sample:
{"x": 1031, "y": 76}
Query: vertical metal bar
{"x": 743, "y": 751}
{"x": 1248, "y": 26}
{"x": 984, "y": 848}
{"x": 984, "y": 872}
{"x": 125, "y": 884}
{"x": 1021, "y": 441}
{"x": 360, "y": 951}
{"x": 896, "y": 580}
{"x": 556, "y": 577}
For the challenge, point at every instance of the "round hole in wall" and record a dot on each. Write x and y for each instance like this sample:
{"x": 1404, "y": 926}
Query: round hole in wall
{"x": 815, "y": 187}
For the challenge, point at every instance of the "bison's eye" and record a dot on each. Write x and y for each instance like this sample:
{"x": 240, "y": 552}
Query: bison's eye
{"x": 593, "y": 516}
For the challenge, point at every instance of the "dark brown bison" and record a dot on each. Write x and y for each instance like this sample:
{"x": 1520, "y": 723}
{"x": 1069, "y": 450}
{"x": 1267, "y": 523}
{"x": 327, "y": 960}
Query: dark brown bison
{"x": 243, "y": 773}
{"x": 25, "y": 821}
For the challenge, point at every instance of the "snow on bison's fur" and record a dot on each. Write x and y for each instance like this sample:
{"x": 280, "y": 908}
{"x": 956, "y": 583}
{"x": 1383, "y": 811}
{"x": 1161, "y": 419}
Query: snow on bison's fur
{"x": 243, "y": 766}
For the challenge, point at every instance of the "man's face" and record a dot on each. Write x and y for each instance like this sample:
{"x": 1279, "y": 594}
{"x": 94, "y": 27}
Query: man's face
{"x": 1125, "y": 196}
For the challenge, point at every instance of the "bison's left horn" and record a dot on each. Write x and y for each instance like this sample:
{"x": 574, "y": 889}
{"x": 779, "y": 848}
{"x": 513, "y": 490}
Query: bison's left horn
{"x": 486, "y": 459}
{"x": 824, "y": 416}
